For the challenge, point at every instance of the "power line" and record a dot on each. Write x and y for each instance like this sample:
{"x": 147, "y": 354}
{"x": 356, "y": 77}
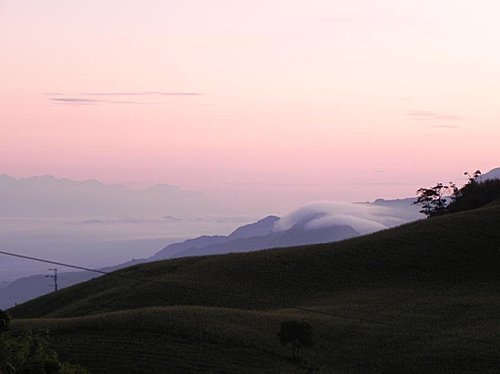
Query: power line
{"x": 270, "y": 303}
{"x": 52, "y": 262}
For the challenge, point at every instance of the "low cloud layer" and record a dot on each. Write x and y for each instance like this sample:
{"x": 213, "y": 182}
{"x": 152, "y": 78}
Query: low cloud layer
{"x": 365, "y": 218}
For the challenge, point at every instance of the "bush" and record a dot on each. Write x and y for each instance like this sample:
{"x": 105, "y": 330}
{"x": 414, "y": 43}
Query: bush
{"x": 297, "y": 333}
{"x": 4, "y": 322}
{"x": 28, "y": 352}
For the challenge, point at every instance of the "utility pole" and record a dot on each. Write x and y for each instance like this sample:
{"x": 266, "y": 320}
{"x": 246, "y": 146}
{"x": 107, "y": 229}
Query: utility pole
{"x": 54, "y": 277}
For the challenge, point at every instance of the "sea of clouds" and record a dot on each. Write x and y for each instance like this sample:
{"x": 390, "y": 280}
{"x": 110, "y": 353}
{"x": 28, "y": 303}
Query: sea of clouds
{"x": 365, "y": 218}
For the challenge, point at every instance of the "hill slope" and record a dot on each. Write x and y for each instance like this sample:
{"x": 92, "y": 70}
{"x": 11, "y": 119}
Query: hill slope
{"x": 418, "y": 298}
{"x": 461, "y": 247}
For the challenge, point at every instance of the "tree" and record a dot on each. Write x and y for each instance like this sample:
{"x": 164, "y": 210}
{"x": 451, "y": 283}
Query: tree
{"x": 298, "y": 334}
{"x": 473, "y": 177}
{"x": 434, "y": 200}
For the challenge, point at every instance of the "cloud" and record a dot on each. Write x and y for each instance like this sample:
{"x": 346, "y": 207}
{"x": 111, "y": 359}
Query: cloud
{"x": 89, "y": 98}
{"x": 346, "y": 19}
{"x": 74, "y": 101}
{"x": 295, "y": 185}
{"x": 141, "y": 93}
{"x": 86, "y": 101}
{"x": 425, "y": 115}
{"x": 447, "y": 127}
{"x": 365, "y": 218}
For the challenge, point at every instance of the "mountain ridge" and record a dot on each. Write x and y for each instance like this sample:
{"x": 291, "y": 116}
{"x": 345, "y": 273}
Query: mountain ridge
{"x": 48, "y": 196}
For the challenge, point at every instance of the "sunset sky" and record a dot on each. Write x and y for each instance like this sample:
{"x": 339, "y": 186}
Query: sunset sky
{"x": 262, "y": 100}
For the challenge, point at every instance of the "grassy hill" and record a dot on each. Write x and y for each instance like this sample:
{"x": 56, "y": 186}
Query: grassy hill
{"x": 423, "y": 297}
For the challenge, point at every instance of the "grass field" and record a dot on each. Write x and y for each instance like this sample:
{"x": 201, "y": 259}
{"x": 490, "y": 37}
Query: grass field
{"x": 420, "y": 298}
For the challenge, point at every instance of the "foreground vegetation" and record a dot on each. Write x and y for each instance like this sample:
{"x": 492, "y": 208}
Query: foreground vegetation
{"x": 28, "y": 352}
{"x": 419, "y": 298}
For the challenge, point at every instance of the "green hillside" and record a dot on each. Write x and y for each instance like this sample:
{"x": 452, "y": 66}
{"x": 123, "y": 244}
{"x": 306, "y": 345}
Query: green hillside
{"x": 423, "y": 297}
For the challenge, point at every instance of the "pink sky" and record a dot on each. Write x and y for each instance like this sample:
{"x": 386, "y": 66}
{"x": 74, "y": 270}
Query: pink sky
{"x": 298, "y": 100}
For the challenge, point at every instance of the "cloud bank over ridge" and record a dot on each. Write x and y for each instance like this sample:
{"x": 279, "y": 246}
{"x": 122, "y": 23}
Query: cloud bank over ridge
{"x": 365, "y": 218}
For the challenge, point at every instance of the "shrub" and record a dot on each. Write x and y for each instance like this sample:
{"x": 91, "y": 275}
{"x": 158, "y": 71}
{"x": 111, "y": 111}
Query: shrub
{"x": 28, "y": 352}
{"x": 296, "y": 333}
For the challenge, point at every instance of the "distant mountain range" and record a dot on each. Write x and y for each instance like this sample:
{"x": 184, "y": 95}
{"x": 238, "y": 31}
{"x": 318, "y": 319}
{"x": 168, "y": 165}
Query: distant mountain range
{"x": 50, "y": 197}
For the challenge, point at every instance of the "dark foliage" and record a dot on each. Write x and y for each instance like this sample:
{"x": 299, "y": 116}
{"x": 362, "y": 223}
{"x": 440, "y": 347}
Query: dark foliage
{"x": 4, "y": 322}
{"x": 475, "y": 195}
{"x": 28, "y": 352}
{"x": 297, "y": 333}
{"x": 433, "y": 200}
{"x": 442, "y": 199}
